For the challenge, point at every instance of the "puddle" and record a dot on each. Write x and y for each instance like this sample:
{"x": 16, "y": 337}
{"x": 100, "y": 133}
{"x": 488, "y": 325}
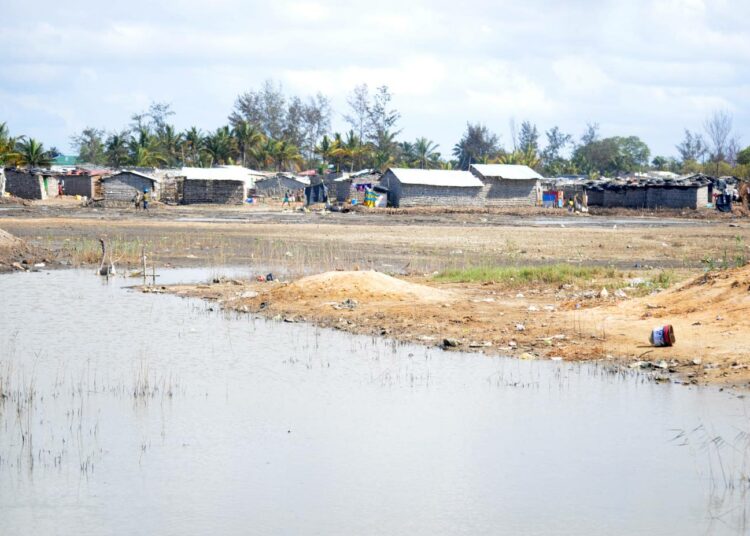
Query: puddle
{"x": 131, "y": 413}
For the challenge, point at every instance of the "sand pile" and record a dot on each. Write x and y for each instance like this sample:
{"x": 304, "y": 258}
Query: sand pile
{"x": 720, "y": 293}
{"x": 363, "y": 286}
{"x": 8, "y": 241}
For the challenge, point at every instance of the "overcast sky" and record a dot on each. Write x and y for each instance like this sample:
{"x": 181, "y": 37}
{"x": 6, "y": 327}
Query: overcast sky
{"x": 637, "y": 67}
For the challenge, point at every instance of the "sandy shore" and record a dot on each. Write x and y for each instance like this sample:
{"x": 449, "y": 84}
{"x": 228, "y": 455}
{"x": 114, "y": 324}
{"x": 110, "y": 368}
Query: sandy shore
{"x": 709, "y": 315}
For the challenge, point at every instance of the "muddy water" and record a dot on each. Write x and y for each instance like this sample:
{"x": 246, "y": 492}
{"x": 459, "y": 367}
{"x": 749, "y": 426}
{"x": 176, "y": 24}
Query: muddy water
{"x": 144, "y": 414}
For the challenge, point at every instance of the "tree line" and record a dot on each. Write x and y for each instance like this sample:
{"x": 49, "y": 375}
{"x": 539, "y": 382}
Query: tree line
{"x": 269, "y": 130}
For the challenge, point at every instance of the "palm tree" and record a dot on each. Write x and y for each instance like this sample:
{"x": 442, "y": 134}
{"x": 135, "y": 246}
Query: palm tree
{"x": 116, "y": 149}
{"x": 324, "y": 149}
{"x": 8, "y": 153}
{"x": 193, "y": 145}
{"x": 527, "y": 158}
{"x": 220, "y": 145}
{"x": 169, "y": 144}
{"x": 286, "y": 154}
{"x": 248, "y": 137}
{"x": 425, "y": 153}
{"x": 145, "y": 157}
{"x": 32, "y": 153}
{"x": 263, "y": 154}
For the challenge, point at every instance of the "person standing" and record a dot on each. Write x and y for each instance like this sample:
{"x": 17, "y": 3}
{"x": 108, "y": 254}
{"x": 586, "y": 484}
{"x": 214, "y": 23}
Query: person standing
{"x": 287, "y": 200}
{"x": 146, "y": 198}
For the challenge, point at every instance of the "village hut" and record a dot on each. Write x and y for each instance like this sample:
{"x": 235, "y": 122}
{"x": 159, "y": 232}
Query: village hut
{"x": 651, "y": 192}
{"x": 351, "y": 187}
{"x": 121, "y": 188}
{"x": 277, "y": 185}
{"x": 31, "y": 183}
{"x": 224, "y": 185}
{"x": 84, "y": 182}
{"x": 508, "y": 185}
{"x": 423, "y": 187}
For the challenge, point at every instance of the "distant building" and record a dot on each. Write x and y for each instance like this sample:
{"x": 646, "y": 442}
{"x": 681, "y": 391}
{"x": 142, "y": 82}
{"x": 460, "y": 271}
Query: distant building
{"x": 31, "y": 183}
{"x": 507, "y": 185}
{"x": 122, "y": 187}
{"x": 277, "y": 185}
{"x": 423, "y": 187}
{"x": 65, "y": 160}
{"x": 224, "y": 185}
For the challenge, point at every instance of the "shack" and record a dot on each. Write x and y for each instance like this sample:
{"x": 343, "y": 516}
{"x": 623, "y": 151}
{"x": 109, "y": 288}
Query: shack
{"x": 84, "y": 182}
{"x": 508, "y": 185}
{"x": 120, "y": 189}
{"x": 31, "y": 183}
{"x": 650, "y": 192}
{"x": 224, "y": 185}
{"x": 277, "y": 185}
{"x": 351, "y": 188}
{"x": 424, "y": 187}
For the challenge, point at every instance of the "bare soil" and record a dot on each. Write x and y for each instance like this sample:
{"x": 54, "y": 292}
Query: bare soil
{"x": 709, "y": 314}
{"x": 709, "y": 319}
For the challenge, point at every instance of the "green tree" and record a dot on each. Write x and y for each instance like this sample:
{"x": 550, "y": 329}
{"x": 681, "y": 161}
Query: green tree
{"x": 248, "y": 138}
{"x": 425, "y": 152}
{"x": 477, "y": 145}
{"x": 554, "y": 163}
{"x": 8, "y": 144}
{"x": 193, "y": 145}
{"x": 743, "y": 157}
{"x": 221, "y": 146}
{"x": 116, "y": 150}
{"x": 31, "y": 153}
{"x": 89, "y": 145}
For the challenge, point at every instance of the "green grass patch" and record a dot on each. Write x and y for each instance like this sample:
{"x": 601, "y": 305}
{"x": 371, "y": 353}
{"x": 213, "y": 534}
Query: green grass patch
{"x": 557, "y": 274}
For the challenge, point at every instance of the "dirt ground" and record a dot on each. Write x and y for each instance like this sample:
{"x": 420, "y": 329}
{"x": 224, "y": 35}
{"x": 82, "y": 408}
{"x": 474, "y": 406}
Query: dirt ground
{"x": 414, "y": 245}
{"x": 709, "y": 315}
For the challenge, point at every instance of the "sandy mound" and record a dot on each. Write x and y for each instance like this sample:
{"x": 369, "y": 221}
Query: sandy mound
{"x": 722, "y": 293}
{"x": 362, "y": 286}
{"x": 8, "y": 241}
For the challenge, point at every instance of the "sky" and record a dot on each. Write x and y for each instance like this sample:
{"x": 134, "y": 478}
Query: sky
{"x": 636, "y": 67}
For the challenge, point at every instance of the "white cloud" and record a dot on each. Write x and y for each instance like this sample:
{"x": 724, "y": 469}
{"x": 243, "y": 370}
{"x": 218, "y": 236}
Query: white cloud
{"x": 649, "y": 66}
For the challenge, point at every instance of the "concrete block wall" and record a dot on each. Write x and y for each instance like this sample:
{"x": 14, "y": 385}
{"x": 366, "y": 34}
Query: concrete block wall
{"x": 418, "y": 195}
{"x": 22, "y": 184}
{"x": 82, "y": 185}
{"x": 213, "y": 191}
{"x": 508, "y": 193}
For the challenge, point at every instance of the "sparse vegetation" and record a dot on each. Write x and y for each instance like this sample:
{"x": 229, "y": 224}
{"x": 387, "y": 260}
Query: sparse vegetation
{"x": 557, "y": 274}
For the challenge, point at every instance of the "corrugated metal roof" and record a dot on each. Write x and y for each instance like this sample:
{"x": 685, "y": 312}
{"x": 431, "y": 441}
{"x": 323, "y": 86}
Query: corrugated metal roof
{"x": 506, "y": 171}
{"x": 436, "y": 177}
{"x": 132, "y": 172}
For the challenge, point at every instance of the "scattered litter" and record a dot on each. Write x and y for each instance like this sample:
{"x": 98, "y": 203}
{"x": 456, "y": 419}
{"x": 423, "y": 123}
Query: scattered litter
{"x": 249, "y": 294}
{"x": 662, "y": 336}
{"x": 533, "y": 308}
{"x": 697, "y": 361}
{"x": 520, "y": 327}
{"x": 527, "y": 356}
{"x": 620, "y": 293}
{"x": 604, "y": 293}
{"x": 451, "y": 343}
{"x": 519, "y": 295}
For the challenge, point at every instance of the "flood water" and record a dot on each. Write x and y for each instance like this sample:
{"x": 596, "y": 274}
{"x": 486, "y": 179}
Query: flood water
{"x": 127, "y": 413}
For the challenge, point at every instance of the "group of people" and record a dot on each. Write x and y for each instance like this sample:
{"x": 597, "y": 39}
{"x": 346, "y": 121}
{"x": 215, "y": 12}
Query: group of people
{"x": 142, "y": 199}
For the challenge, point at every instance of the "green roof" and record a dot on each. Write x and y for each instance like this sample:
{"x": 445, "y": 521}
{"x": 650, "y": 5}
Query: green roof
{"x": 65, "y": 160}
